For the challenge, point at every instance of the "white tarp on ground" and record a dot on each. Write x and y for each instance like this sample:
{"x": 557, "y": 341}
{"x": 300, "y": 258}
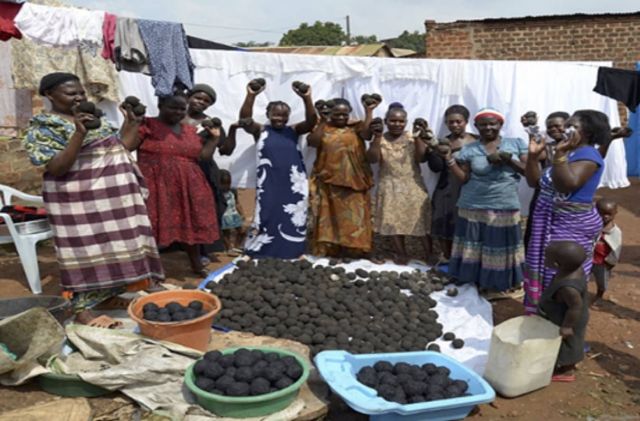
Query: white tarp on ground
{"x": 467, "y": 315}
{"x": 426, "y": 87}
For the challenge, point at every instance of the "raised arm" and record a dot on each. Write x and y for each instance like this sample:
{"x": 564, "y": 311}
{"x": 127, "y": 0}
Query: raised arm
{"x": 310, "y": 115}
{"x": 568, "y": 177}
{"x": 210, "y": 143}
{"x": 420, "y": 150}
{"x": 461, "y": 170}
{"x": 229, "y": 145}
{"x": 365, "y": 129}
{"x": 64, "y": 160}
{"x": 532, "y": 170}
{"x": 315, "y": 137}
{"x": 129, "y": 133}
{"x": 246, "y": 111}
{"x": 374, "y": 153}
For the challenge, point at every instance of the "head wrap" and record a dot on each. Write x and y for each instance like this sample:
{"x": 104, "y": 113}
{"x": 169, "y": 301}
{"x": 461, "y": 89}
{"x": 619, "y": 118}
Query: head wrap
{"x": 52, "y": 80}
{"x": 203, "y": 87}
{"x": 489, "y": 112}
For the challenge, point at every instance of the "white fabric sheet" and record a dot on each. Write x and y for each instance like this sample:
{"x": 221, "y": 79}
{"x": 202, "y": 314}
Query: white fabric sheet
{"x": 426, "y": 87}
{"x": 467, "y": 315}
{"x": 60, "y": 26}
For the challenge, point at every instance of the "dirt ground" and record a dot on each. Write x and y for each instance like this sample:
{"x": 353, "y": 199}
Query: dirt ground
{"x": 608, "y": 381}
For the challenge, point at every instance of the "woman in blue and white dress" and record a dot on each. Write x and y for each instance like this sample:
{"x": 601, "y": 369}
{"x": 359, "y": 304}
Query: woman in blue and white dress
{"x": 279, "y": 227}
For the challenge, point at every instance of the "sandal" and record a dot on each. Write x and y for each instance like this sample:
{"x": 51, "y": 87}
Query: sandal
{"x": 503, "y": 295}
{"x": 563, "y": 378}
{"x": 105, "y": 322}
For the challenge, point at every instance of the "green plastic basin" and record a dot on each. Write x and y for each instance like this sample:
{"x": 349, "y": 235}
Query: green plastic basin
{"x": 249, "y": 406}
{"x": 69, "y": 385}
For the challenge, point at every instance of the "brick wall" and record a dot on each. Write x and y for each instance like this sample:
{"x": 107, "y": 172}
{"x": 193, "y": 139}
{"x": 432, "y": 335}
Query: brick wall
{"x": 568, "y": 38}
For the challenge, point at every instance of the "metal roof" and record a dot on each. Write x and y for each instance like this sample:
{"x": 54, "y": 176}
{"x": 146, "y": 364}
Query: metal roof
{"x": 362, "y": 50}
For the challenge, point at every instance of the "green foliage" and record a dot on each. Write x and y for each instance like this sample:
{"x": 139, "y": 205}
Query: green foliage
{"x": 327, "y": 33}
{"x": 362, "y": 39}
{"x": 411, "y": 40}
{"x": 251, "y": 44}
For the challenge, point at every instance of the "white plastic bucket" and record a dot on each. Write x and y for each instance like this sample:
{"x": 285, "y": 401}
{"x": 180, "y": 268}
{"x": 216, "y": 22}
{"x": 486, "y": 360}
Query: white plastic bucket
{"x": 522, "y": 356}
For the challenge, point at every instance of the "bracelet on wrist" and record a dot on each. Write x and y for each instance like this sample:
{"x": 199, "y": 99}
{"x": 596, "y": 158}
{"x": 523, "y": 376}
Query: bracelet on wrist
{"x": 451, "y": 162}
{"x": 560, "y": 160}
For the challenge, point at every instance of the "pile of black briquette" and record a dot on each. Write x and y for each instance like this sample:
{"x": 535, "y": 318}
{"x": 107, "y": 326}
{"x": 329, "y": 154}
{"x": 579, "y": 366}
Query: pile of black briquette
{"x": 245, "y": 372}
{"x": 326, "y": 307}
{"x": 172, "y": 311}
{"x": 408, "y": 383}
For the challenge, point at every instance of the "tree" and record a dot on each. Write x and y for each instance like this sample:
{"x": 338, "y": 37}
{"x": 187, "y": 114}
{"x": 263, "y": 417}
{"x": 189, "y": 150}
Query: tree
{"x": 362, "y": 39}
{"x": 411, "y": 40}
{"x": 251, "y": 44}
{"x": 327, "y": 33}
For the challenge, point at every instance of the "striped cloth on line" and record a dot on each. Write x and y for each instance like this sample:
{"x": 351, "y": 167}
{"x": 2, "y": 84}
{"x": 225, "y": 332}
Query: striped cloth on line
{"x": 98, "y": 214}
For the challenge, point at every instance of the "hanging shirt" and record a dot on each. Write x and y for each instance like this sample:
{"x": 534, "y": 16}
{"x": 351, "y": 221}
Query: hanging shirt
{"x": 108, "y": 36}
{"x": 8, "y": 29}
{"x": 129, "y": 49}
{"x": 620, "y": 84}
{"x": 169, "y": 57}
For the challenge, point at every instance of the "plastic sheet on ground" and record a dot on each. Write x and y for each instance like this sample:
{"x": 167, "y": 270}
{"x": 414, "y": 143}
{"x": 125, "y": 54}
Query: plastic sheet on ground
{"x": 77, "y": 409}
{"x": 33, "y": 336}
{"x": 149, "y": 372}
{"x": 467, "y": 315}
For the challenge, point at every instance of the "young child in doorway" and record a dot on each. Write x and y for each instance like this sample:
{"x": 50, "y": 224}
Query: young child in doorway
{"x": 565, "y": 304}
{"x": 606, "y": 252}
{"x": 232, "y": 218}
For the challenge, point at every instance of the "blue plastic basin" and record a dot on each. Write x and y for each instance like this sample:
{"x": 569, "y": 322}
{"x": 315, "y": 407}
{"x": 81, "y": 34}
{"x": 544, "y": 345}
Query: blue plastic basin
{"x": 339, "y": 369}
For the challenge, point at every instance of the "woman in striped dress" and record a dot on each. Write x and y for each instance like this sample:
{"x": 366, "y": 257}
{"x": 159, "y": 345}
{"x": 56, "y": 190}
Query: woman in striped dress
{"x": 564, "y": 209}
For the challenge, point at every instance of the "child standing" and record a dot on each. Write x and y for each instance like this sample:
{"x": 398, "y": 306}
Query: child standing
{"x": 231, "y": 219}
{"x": 564, "y": 303}
{"x": 402, "y": 201}
{"x": 606, "y": 252}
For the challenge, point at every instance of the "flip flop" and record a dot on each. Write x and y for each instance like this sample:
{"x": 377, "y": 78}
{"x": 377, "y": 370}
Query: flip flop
{"x": 563, "y": 378}
{"x": 105, "y": 322}
{"x": 503, "y": 295}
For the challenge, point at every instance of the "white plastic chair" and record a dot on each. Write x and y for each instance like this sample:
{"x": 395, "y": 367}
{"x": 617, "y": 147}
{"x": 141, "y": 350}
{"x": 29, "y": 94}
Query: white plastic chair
{"x": 25, "y": 243}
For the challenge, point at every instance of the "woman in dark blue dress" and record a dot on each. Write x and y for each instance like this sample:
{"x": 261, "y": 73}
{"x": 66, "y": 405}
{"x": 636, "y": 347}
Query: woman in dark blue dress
{"x": 279, "y": 227}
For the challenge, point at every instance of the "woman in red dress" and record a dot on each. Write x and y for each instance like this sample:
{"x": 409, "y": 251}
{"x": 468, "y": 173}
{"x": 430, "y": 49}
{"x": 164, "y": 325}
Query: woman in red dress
{"x": 180, "y": 200}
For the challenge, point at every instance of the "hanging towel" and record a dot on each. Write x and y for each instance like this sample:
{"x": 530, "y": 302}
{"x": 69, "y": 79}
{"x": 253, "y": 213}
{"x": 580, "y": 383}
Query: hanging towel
{"x": 620, "y": 84}
{"x": 8, "y": 29}
{"x": 169, "y": 57}
{"x": 108, "y": 37}
{"x": 129, "y": 49}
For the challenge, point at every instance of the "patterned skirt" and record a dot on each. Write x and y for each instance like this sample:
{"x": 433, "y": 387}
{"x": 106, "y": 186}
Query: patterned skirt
{"x": 556, "y": 221}
{"x": 341, "y": 220}
{"x": 487, "y": 249}
{"x": 98, "y": 215}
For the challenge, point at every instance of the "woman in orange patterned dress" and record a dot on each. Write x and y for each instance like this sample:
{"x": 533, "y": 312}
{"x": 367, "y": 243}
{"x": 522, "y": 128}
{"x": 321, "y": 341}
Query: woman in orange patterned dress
{"x": 340, "y": 184}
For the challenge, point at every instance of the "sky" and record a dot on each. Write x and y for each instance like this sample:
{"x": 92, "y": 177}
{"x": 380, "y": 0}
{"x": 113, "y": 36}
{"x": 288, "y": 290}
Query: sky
{"x": 234, "y": 21}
